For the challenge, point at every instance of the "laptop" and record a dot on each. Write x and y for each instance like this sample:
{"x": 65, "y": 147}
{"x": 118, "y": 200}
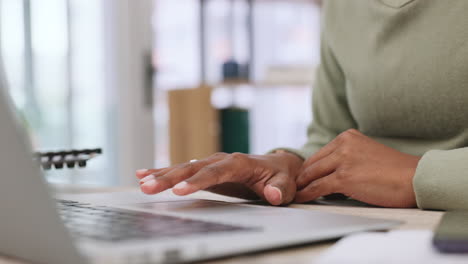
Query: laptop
{"x": 133, "y": 228}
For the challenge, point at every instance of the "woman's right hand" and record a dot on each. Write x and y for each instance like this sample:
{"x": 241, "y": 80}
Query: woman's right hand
{"x": 271, "y": 177}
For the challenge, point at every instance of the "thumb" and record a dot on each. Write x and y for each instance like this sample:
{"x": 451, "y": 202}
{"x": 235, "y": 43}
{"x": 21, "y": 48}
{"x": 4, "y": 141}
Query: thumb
{"x": 280, "y": 189}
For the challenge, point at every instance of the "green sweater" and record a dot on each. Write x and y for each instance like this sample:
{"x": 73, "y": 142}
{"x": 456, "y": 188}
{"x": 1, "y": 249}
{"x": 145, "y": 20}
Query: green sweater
{"x": 397, "y": 70}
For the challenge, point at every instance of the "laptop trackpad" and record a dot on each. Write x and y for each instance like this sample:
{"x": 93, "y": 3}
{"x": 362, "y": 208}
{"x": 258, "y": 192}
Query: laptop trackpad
{"x": 189, "y": 206}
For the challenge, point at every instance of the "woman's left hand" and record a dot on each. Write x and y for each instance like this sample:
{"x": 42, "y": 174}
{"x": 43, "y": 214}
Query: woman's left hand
{"x": 361, "y": 168}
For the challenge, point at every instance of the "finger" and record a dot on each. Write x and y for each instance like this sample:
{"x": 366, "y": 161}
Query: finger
{"x": 280, "y": 189}
{"x": 321, "y": 187}
{"x": 155, "y": 175}
{"x": 164, "y": 180}
{"x": 140, "y": 174}
{"x": 175, "y": 176}
{"x": 208, "y": 176}
{"x": 146, "y": 179}
{"x": 331, "y": 147}
{"x": 323, "y": 152}
{"x": 355, "y": 132}
{"x": 318, "y": 170}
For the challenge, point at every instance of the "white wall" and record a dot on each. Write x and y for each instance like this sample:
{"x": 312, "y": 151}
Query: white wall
{"x": 129, "y": 35}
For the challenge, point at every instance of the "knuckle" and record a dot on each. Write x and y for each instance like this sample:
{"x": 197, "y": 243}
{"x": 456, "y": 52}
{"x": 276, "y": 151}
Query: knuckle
{"x": 314, "y": 185}
{"x": 346, "y": 136}
{"x": 341, "y": 138}
{"x": 307, "y": 174}
{"x": 186, "y": 166}
{"x": 219, "y": 155}
{"x": 182, "y": 169}
{"x": 211, "y": 170}
{"x": 344, "y": 152}
{"x": 342, "y": 175}
{"x": 239, "y": 157}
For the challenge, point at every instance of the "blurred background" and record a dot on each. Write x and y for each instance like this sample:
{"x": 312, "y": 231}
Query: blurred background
{"x": 159, "y": 82}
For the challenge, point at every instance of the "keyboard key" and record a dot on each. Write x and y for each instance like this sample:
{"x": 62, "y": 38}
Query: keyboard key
{"x": 119, "y": 225}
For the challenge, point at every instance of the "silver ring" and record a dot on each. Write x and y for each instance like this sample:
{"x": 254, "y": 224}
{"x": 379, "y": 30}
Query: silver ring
{"x": 194, "y": 160}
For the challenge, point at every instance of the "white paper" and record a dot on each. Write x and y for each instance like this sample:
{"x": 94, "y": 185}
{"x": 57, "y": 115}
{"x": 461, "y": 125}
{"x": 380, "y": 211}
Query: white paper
{"x": 395, "y": 247}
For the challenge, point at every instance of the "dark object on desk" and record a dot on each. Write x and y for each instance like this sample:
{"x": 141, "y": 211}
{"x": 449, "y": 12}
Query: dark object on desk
{"x": 69, "y": 159}
{"x": 234, "y": 130}
{"x": 451, "y": 236}
{"x": 234, "y": 120}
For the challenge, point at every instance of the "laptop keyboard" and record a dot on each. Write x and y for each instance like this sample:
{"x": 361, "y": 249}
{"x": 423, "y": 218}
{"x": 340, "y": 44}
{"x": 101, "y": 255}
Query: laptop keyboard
{"x": 119, "y": 225}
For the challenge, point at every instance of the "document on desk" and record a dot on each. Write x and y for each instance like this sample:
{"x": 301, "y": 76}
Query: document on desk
{"x": 389, "y": 248}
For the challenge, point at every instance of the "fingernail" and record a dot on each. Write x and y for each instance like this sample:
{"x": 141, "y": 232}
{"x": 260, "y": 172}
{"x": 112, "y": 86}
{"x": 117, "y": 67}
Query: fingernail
{"x": 181, "y": 185}
{"x": 150, "y": 184}
{"x": 278, "y": 193}
{"x": 276, "y": 196}
{"x": 147, "y": 178}
{"x": 141, "y": 171}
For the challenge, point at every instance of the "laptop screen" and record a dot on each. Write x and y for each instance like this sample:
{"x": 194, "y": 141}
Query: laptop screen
{"x": 5, "y": 92}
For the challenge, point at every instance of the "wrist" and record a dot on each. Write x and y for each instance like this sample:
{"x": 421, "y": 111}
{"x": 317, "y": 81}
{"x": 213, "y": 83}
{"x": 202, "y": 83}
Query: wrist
{"x": 410, "y": 197}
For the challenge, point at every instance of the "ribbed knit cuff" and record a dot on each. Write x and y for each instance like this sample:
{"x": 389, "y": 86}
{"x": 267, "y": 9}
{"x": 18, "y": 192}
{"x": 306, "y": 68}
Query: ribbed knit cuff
{"x": 441, "y": 180}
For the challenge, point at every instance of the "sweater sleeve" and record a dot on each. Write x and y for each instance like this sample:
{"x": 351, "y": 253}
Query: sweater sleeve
{"x": 330, "y": 110}
{"x": 441, "y": 180}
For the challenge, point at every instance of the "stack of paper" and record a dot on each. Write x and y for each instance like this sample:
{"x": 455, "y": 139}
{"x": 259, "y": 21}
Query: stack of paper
{"x": 395, "y": 247}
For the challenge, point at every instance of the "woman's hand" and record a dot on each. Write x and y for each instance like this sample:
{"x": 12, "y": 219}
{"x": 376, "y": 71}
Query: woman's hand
{"x": 361, "y": 168}
{"x": 271, "y": 177}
